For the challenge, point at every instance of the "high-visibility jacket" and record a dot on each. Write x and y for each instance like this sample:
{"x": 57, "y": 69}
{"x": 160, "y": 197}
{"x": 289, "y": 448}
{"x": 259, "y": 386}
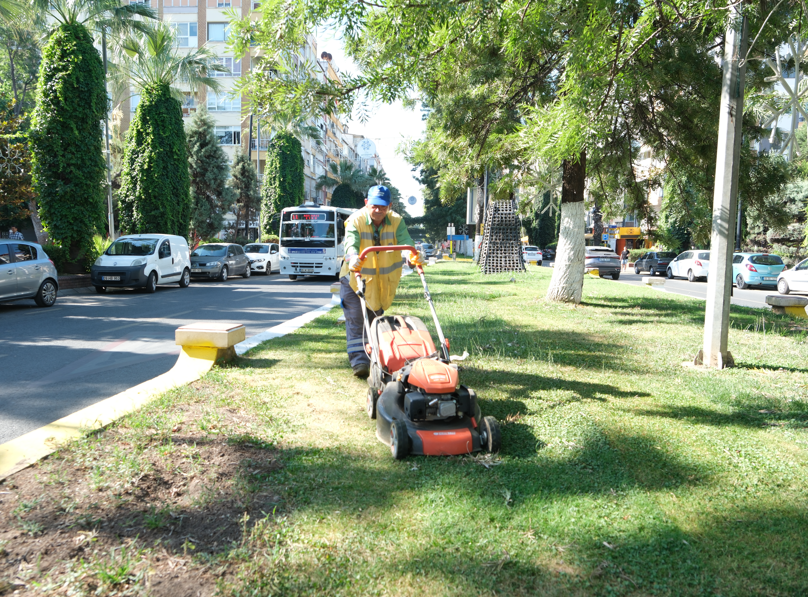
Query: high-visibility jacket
{"x": 382, "y": 271}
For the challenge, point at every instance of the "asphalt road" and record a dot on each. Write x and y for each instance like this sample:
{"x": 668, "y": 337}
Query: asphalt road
{"x": 86, "y": 348}
{"x": 752, "y": 297}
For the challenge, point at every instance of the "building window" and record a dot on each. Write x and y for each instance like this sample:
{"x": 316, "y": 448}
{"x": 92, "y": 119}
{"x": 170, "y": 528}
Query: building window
{"x": 223, "y": 4}
{"x": 230, "y": 63}
{"x": 189, "y": 101}
{"x": 186, "y": 34}
{"x": 229, "y": 135}
{"x": 218, "y": 31}
{"x": 222, "y": 103}
{"x": 134, "y": 101}
{"x": 143, "y": 2}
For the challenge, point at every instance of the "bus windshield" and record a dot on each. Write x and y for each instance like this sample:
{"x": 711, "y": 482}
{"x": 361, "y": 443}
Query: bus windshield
{"x": 308, "y": 234}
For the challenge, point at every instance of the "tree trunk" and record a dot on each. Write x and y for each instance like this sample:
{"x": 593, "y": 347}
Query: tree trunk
{"x": 567, "y": 282}
{"x": 41, "y": 235}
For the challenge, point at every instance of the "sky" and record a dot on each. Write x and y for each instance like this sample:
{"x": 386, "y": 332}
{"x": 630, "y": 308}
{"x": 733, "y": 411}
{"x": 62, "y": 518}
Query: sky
{"x": 388, "y": 125}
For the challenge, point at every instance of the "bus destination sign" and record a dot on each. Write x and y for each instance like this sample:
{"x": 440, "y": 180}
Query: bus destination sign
{"x": 310, "y": 217}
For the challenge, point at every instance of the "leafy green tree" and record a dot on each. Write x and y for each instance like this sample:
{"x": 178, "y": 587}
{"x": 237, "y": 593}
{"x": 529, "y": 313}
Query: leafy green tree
{"x": 211, "y": 196}
{"x": 66, "y": 142}
{"x": 21, "y": 39}
{"x": 779, "y": 224}
{"x": 284, "y": 178}
{"x": 345, "y": 196}
{"x": 377, "y": 176}
{"x": 155, "y": 182}
{"x": 244, "y": 182}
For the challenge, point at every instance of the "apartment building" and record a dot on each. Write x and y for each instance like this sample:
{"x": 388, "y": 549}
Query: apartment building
{"x": 200, "y": 22}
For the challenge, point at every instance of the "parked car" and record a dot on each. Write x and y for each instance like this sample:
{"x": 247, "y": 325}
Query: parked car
{"x": 26, "y": 271}
{"x": 604, "y": 260}
{"x": 532, "y": 254}
{"x": 143, "y": 261}
{"x": 794, "y": 279}
{"x": 654, "y": 262}
{"x": 692, "y": 265}
{"x": 264, "y": 258}
{"x": 428, "y": 250}
{"x": 219, "y": 261}
{"x": 548, "y": 254}
{"x": 756, "y": 269}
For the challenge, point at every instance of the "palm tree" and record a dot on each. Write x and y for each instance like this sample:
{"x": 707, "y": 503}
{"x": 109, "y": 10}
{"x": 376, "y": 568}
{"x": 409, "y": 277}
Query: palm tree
{"x": 344, "y": 172}
{"x": 378, "y": 176}
{"x": 155, "y": 180}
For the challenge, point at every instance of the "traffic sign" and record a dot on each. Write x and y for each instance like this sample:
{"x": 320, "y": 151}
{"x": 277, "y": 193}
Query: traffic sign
{"x": 458, "y": 237}
{"x": 412, "y": 200}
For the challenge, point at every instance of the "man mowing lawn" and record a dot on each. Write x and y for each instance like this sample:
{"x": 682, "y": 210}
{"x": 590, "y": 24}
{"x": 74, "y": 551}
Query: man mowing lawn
{"x": 372, "y": 226}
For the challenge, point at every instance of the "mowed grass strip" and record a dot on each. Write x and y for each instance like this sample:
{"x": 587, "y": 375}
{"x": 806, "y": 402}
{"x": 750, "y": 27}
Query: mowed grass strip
{"x": 622, "y": 471}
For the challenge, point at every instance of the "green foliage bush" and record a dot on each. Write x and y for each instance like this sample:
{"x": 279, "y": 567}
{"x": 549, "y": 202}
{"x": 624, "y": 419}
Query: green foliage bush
{"x": 59, "y": 255}
{"x": 344, "y": 196}
{"x": 635, "y": 254}
{"x": 66, "y": 139}
{"x": 270, "y": 238}
{"x": 284, "y": 178}
{"x": 155, "y": 186}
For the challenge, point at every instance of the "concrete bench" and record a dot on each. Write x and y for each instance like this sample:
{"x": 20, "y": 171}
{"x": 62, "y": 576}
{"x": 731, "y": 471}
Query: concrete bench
{"x": 788, "y": 305}
{"x": 210, "y": 340}
{"x": 653, "y": 281}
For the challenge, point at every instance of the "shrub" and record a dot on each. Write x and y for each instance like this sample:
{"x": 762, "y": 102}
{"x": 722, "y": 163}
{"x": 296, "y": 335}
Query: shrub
{"x": 155, "y": 185}
{"x": 284, "y": 178}
{"x": 59, "y": 255}
{"x": 270, "y": 238}
{"x": 98, "y": 245}
{"x": 635, "y": 254}
{"x": 66, "y": 140}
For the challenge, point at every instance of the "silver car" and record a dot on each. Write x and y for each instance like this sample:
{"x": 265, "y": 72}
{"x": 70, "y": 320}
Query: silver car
{"x": 219, "y": 261}
{"x": 26, "y": 271}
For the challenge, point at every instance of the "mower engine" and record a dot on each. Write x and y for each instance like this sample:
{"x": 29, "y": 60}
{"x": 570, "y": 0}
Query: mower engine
{"x": 419, "y": 406}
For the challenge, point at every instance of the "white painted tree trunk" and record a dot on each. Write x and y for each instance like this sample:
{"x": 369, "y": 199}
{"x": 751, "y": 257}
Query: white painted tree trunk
{"x": 567, "y": 284}
{"x": 41, "y": 235}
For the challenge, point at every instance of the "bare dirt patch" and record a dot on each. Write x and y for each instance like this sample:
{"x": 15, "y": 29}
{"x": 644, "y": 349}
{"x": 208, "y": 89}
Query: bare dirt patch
{"x": 154, "y": 510}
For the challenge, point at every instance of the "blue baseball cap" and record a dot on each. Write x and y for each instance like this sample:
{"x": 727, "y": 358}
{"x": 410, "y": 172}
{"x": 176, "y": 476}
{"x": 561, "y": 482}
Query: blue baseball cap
{"x": 379, "y": 195}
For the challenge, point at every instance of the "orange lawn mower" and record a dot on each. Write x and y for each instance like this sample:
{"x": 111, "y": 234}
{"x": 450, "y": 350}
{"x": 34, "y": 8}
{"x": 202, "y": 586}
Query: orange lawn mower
{"x": 415, "y": 395}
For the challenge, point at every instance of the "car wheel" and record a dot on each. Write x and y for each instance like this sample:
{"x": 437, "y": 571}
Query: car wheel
{"x": 690, "y": 276}
{"x": 669, "y": 274}
{"x": 652, "y": 271}
{"x": 616, "y": 276}
{"x": 223, "y": 274}
{"x": 101, "y": 289}
{"x": 782, "y": 286}
{"x": 46, "y": 295}
{"x": 247, "y": 272}
{"x": 185, "y": 279}
{"x": 740, "y": 283}
{"x": 399, "y": 440}
{"x": 151, "y": 283}
{"x": 636, "y": 270}
{"x": 293, "y": 277}
{"x": 490, "y": 437}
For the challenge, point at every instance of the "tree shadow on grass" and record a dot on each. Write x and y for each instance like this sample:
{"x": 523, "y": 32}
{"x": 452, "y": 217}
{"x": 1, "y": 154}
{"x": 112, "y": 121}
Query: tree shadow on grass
{"x": 794, "y": 415}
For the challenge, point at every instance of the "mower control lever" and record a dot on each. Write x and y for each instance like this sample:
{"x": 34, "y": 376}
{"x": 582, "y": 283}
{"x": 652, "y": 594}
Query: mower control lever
{"x": 364, "y": 254}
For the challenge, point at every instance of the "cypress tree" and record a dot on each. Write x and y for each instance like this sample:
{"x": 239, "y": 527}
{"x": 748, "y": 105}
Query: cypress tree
{"x": 208, "y": 168}
{"x": 345, "y": 196}
{"x": 155, "y": 193}
{"x": 245, "y": 186}
{"x": 284, "y": 178}
{"x": 68, "y": 164}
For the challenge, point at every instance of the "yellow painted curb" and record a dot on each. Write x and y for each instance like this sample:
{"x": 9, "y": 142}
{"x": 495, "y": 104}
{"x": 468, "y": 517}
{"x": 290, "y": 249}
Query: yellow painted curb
{"x": 797, "y": 312}
{"x": 193, "y": 363}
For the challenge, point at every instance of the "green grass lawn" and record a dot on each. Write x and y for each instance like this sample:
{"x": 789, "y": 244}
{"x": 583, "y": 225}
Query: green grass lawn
{"x": 622, "y": 472}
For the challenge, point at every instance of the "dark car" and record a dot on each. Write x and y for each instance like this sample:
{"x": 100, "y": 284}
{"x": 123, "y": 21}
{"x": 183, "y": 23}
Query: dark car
{"x": 654, "y": 262}
{"x": 219, "y": 261}
{"x": 548, "y": 254}
{"x": 428, "y": 250}
{"x": 602, "y": 259}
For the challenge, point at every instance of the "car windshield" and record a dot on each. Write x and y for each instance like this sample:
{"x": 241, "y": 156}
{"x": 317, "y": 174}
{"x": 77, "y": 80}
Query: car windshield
{"x": 426, "y": 246}
{"x": 531, "y": 248}
{"x": 133, "y": 246}
{"x": 309, "y": 234}
{"x": 705, "y": 255}
{"x": 209, "y": 251}
{"x": 666, "y": 255}
{"x": 256, "y": 249}
{"x": 766, "y": 260}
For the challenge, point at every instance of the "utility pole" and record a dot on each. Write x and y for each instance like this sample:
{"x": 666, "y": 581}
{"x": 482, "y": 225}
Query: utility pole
{"x": 725, "y": 205}
{"x": 258, "y": 171}
{"x": 110, "y": 217}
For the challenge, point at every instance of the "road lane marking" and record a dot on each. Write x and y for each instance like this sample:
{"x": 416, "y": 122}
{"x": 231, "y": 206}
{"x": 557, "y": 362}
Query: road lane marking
{"x": 150, "y": 320}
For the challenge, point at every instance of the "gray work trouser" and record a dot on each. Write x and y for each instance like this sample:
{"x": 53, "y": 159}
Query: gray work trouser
{"x": 354, "y": 323}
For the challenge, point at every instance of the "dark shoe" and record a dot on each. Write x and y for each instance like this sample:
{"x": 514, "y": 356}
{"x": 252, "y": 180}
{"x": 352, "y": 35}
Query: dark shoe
{"x": 361, "y": 370}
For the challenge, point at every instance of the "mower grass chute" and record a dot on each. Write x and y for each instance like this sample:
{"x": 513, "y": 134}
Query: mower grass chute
{"x": 415, "y": 394}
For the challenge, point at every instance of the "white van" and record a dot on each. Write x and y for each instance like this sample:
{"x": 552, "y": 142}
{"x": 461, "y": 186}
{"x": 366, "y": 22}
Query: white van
{"x": 143, "y": 260}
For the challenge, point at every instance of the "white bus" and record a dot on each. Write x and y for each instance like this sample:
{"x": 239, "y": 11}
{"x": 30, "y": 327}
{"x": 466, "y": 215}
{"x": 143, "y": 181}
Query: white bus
{"x": 311, "y": 240}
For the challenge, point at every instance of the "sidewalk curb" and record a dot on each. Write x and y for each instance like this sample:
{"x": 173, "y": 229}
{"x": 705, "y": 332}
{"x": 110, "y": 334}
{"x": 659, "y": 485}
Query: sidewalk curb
{"x": 27, "y": 449}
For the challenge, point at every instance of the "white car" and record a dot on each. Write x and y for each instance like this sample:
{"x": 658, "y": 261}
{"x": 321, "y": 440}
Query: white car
{"x": 143, "y": 260}
{"x": 532, "y": 254}
{"x": 692, "y": 265}
{"x": 265, "y": 258}
{"x": 794, "y": 279}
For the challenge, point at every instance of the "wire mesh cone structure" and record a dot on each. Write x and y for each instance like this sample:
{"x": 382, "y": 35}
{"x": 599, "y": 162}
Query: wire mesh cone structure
{"x": 502, "y": 247}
